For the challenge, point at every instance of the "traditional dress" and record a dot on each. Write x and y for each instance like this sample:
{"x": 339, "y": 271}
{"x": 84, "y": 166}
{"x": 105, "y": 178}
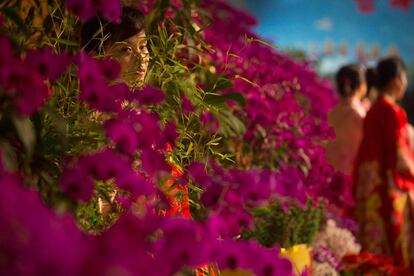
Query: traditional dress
{"x": 178, "y": 194}
{"x": 180, "y": 206}
{"x": 383, "y": 177}
{"x": 346, "y": 120}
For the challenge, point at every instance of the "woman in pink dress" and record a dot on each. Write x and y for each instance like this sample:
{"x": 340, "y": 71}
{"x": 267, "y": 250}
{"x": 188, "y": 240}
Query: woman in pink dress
{"x": 346, "y": 118}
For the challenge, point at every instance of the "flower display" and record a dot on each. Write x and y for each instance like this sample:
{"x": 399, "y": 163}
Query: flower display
{"x": 331, "y": 244}
{"x": 225, "y": 115}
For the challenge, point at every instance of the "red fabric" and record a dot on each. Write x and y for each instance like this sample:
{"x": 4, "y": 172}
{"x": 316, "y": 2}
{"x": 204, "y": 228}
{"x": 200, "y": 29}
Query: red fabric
{"x": 385, "y": 133}
{"x": 380, "y": 183}
{"x": 179, "y": 206}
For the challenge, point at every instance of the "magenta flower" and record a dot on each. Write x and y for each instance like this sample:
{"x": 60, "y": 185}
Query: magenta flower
{"x": 94, "y": 88}
{"x": 77, "y": 184}
{"x": 110, "y": 68}
{"x": 110, "y": 9}
{"x": 212, "y": 195}
{"x": 123, "y": 135}
{"x": 104, "y": 165}
{"x": 198, "y": 173}
{"x": 290, "y": 184}
{"x": 134, "y": 183}
{"x": 148, "y": 128}
{"x": 28, "y": 89}
{"x": 43, "y": 241}
{"x": 169, "y": 134}
{"x": 230, "y": 254}
{"x": 48, "y": 64}
{"x": 209, "y": 122}
{"x": 186, "y": 105}
{"x": 149, "y": 95}
{"x": 180, "y": 238}
{"x": 153, "y": 162}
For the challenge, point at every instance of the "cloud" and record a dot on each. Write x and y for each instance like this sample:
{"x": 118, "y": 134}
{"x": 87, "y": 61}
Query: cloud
{"x": 331, "y": 64}
{"x": 324, "y": 24}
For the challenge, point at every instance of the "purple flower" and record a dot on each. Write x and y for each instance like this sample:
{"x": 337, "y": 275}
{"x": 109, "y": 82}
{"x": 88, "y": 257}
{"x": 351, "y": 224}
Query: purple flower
{"x": 149, "y": 95}
{"x": 134, "y": 183}
{"x": 322, "y": 255}
{"x": 124, "y": 201}
{"x": 209, "y": 122}
{"x": 149, "y": 131}
{"x": 198, "y": 172}
{"x": 83, "y": 9}
{"x": 102, "y": 165}
{"x": 212, "y": 195}
{"x": 123, "y": 135}
{"x": 230, "y": 254}
{"x": 27, "y": 87}
{"x": 110, "y": 68}
{"x": 186, "y": 106}
{"x": 290, "y": 184}
{"x": 48, "y": 64}
{"x": 186, "y": 244}
{"x": 154, "y": 162}
{"x": 94, "y": 88}
{"x": 270, "y": 265}
{"x": 169, "y": 134}
{"x": 110, "y": 9}
{"x": 77, "y": 184}
{"x": 43, "y": 241}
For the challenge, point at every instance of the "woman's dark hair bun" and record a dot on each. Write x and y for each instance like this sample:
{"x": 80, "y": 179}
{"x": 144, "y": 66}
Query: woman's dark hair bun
{"x": 389, "y": 69}
{"x": 349, "y": 78}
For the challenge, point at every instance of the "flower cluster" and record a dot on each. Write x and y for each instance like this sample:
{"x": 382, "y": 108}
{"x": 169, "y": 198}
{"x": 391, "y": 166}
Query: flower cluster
{"x": 368, "y": 263}
{"x": 40, "y": 241}
{"x": 369, "y": 5}
{"x": 23, "y": 80}
{"x": 111, "y": 9}
{"x": 286, "y": 106}
{"x": 286, "y": 103}
{"x": 332, "y": 244}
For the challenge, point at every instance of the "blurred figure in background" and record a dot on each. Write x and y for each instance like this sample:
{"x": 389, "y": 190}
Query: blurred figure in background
{"x": 372, "y": 91}
{"x": 347, "y": 118}
{"x": 384, "y": 171}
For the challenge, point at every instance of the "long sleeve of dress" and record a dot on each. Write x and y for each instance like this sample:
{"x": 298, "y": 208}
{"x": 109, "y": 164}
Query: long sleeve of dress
{"x": 399, "y": 157}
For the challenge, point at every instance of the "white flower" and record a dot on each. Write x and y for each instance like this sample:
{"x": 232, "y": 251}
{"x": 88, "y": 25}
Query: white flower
{"x": 323, "y": 269}
{"x": 339, "y": 241}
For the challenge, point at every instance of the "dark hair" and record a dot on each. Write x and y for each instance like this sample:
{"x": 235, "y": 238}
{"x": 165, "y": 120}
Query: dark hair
{"x": 132, "y": 22}
{"x": 389, "y": 69}
{"x": 349, "y": 78}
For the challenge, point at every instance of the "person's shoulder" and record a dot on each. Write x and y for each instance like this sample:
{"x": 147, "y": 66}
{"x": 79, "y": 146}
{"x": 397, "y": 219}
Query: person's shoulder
{"x": 384, "y": 111}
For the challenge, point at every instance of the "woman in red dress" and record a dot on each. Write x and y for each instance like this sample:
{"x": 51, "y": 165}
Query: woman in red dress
{"x": 384, "y": 172}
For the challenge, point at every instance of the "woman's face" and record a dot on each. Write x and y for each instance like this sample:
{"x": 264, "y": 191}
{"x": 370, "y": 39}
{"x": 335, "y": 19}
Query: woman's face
{"x": 401, "y": 85}
{"x": 133, "y": 56}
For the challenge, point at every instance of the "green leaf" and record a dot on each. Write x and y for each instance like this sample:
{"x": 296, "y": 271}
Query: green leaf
{"x": 8, "y": 156}
{"x": 26, "y": 133}
{"x": 236, "y": 125}
{"x": 222, "y": 83}
{"x": 219, "y": 100}
{"x": 64, "y": 41}
{"x": 12, "y": 15}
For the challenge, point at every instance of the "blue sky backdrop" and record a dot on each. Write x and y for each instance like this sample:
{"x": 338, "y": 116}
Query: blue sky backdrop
{"x": 322, "y": 26}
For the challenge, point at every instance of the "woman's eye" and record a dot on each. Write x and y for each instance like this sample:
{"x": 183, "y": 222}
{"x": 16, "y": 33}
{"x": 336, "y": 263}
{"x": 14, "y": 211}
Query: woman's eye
{"x": 127, "y": 50}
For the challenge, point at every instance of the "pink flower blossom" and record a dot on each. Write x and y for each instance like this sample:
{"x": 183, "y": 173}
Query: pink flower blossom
{"x": 110, "y": 9}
